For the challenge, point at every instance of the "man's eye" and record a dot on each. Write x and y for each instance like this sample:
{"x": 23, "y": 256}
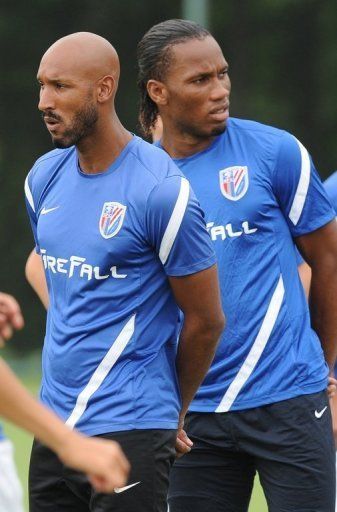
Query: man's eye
{"x": 201, "y": 79}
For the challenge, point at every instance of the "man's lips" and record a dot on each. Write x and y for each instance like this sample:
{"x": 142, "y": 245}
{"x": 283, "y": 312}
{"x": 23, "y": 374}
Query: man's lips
{"x": 51, "y": 122}
{"x": 220, "y": 113}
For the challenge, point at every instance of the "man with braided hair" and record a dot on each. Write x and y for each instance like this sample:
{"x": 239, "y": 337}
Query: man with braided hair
{"x": 263, "y": 405}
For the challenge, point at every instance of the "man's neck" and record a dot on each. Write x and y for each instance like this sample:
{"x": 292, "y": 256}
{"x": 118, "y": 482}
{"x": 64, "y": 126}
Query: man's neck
{"x": 182, "y": 146}
{"x": 97, "y": 152}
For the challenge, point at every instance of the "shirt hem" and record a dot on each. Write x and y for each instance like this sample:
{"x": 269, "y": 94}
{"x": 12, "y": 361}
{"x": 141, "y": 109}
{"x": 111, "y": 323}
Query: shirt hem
{"x": 192, "y": 269}
{"x": 260, "y": 402}
{"x": 118, "y": 427}
{"x": 320, "y": 222}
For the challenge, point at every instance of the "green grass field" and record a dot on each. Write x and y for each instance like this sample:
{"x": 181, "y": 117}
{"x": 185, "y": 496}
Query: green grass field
{"x": 22, "y": 441}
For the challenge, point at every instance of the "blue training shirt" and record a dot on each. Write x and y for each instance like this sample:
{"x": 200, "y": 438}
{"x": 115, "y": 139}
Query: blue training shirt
{"x": 108, "y": 241}
{"x": 259, "y": 190}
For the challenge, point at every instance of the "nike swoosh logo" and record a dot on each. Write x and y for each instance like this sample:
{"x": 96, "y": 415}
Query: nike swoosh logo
{"x": 122, "y": 489}
{"x": 319, "y": 414}
{"x": 48, "y": 210}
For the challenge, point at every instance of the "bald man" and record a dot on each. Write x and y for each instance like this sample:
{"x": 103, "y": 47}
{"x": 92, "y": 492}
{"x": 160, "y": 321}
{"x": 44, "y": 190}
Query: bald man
{"x": 123, "y": 243}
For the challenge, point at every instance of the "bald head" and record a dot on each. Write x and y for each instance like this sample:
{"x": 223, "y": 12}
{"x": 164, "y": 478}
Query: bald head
{"x": 78, "y": 78}
{"x": 84, "y": 55}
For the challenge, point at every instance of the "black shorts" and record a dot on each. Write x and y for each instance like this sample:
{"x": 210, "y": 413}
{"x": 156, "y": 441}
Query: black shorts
{"x": 290, "y": 444}
{"x": 56, "y": 488}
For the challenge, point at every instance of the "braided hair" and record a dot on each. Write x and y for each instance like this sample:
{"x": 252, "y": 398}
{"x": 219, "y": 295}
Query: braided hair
{"x": 154, "y": 56}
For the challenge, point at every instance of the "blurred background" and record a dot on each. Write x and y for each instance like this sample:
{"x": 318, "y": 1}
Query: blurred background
{"x": 283, "y": 67}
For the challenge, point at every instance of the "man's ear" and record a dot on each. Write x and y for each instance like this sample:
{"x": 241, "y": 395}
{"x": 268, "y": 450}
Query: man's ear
{"x": 105, "y": 88}
{"x": 157, "y": 92}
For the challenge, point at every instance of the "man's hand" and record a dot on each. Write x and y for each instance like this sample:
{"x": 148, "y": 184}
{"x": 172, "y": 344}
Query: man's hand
{"x": 332, "y": 387}
{"x": 10, "y": 317}
{"x": 183, "y": 443}
{"x": 103, "y": 461}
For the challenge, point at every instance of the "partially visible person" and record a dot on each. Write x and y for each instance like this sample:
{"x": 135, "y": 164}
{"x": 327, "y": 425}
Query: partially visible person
{"x": 10, "y": 486}
{"x": 263, "y": 405}
{"x": 10, "y": 316}
{"x": 103, "y": 461}
{"x": 330, "y": 186}
{"x": 124, "y": 245}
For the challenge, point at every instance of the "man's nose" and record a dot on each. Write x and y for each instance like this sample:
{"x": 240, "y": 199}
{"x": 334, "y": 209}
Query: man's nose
{"x": 47, "y": 99}
{"x": 221, "y": 89}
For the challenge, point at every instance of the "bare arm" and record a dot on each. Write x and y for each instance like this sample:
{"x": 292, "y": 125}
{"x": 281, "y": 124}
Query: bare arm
{"x": 36, "y": 277}
{"x": 319, "y": 249}
{"x": 103, "y": 461}
{"x": 198, "y": 297}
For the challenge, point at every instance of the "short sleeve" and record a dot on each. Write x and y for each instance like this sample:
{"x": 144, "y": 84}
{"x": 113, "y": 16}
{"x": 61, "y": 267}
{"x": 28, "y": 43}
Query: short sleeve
{"x": 299, "y": 190}
{"x": 175, "y": 228}
{"x": 31, "y": 210}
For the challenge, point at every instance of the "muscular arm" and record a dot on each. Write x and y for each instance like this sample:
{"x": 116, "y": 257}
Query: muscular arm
{"x": 319, "y": 249}
{"x": 198, "y": 297}
{"x": 36, "y": 277}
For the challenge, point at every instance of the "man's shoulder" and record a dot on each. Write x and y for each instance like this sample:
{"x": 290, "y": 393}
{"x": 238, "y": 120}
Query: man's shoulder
{"x": 266, "y": 140}
{"x": 50, "y": 160}
{"x": 249, "y": 127}
{"x": 156, "y": 164}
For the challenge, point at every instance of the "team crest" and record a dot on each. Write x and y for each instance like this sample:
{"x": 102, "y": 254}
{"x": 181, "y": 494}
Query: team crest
{"x": 112, "y": 218}
{"x": 234, "y": 182}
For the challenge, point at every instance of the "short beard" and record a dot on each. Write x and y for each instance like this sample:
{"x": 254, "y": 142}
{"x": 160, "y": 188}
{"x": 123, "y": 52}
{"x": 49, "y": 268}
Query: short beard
{"x": 199, "y": 133}
{"x": 82, "y": 126}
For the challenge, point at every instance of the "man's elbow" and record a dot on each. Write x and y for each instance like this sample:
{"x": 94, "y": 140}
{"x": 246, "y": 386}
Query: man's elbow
{"x": 214, "y": 326}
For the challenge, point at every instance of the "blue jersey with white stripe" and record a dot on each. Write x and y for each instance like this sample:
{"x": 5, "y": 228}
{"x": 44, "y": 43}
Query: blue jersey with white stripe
{"x": 259, "y": 190}
{"x": 108, "y": 242}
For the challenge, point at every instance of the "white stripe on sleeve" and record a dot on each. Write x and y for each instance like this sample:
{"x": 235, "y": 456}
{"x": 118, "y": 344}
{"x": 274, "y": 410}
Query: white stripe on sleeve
{"x": 29, "y": 195}
{"x": 302, "y": 187}
{"x": 102, "y": 371}
{"x": 256, "y": 350}
{"x": 175, "y": 221}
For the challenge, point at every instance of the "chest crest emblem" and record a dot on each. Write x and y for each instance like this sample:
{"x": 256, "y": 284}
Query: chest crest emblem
{"x": 111, "y": 219}
{"x": 234, "y": 182}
